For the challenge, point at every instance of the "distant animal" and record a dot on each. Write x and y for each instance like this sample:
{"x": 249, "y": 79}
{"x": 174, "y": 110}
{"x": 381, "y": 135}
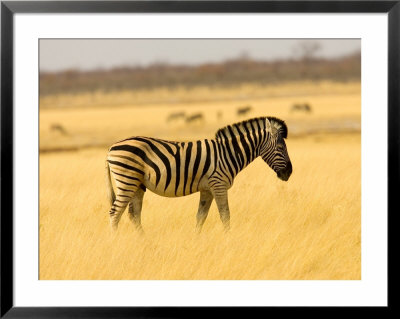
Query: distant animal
{"x": 243, "y": 110}
{"x": 208, "y": 166}
{"x": 58, "y": 128}
{"x": 301, "y": 107}
{"x": 219, "y": 115}
{"x": 194, "y": 117}
{"x": 175, "y": 116}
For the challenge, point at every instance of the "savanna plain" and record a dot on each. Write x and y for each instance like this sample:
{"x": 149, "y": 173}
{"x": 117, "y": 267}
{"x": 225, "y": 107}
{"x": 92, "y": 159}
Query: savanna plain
{"x": 304, "y": 229}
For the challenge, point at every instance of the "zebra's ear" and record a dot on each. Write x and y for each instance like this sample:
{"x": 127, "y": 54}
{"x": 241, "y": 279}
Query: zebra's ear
{"x": 268, "y": 126}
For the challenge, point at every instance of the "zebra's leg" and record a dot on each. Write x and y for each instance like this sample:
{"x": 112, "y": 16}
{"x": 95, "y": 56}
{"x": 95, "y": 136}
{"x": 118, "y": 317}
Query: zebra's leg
{"x": 206, "y": 199}
{"x": 135, "y": 209}
{"x": 221, "y": 198}
{"x": 123, "y": 197}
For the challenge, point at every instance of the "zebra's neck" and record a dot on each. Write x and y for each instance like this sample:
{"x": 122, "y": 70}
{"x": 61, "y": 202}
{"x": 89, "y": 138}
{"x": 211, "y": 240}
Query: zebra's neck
{"x": 238, "y": 147}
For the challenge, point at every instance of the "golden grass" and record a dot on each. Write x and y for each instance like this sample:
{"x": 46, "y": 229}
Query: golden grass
{"x": 306, "y": 228}
{"x": 199, "y": 94}
{"x": 332, "y": 105}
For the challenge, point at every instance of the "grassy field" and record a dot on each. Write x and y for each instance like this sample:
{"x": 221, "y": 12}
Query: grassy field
{"x": 335, "y": 107}
{"x": 306, "y": 228}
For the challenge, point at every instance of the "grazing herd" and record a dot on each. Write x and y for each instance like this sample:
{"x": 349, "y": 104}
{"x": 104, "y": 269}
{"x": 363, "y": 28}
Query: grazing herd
{"x": 241, "y": 111}
{"x": 199, "y": 117}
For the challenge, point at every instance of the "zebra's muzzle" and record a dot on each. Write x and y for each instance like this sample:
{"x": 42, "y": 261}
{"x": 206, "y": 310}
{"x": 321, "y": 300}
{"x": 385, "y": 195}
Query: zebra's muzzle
{"x": 285, "y": 173}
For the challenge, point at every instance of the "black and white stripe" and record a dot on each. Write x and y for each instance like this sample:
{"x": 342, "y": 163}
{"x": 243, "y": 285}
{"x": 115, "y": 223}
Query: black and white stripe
{"x": 207, "y": 166}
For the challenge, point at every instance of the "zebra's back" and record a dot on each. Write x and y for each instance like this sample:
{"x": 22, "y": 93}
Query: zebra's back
{"x": 166, "y": 168}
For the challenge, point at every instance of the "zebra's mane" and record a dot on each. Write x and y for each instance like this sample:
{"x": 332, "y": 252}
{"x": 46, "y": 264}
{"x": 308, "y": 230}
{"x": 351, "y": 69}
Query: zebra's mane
{"x": 280, "y": 125}
{"x": 277, "y": 123}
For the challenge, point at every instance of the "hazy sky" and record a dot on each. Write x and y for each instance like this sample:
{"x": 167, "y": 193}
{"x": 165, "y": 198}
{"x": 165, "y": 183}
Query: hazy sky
{"x": 89, "y": 54}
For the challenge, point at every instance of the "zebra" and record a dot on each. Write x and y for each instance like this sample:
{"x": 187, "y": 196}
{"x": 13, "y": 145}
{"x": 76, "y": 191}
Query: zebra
{"x": 208, "y": 166}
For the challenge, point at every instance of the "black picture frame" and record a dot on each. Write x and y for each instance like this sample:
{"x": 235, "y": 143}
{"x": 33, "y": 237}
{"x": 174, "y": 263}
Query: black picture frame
{"x": 9, "y": 8}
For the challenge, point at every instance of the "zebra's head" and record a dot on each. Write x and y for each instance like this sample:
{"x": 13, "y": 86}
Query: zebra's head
{"x": 273, "y": 151}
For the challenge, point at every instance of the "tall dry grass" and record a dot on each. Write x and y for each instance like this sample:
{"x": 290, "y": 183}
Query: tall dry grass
{"x": 306, "y": 228}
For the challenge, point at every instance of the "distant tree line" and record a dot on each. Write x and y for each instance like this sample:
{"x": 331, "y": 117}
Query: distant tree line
{"x": 225, "y": 74}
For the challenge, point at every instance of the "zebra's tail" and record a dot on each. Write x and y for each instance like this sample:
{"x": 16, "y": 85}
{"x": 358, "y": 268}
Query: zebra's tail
{"x": 110, "y": 190}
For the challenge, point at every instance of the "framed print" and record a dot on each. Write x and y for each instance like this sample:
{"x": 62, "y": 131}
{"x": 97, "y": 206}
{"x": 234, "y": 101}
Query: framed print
{"x": 182, "y": 158}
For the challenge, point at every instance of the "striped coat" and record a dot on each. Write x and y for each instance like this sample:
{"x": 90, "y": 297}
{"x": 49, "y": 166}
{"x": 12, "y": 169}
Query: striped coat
{"x": 207, "y": 166}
